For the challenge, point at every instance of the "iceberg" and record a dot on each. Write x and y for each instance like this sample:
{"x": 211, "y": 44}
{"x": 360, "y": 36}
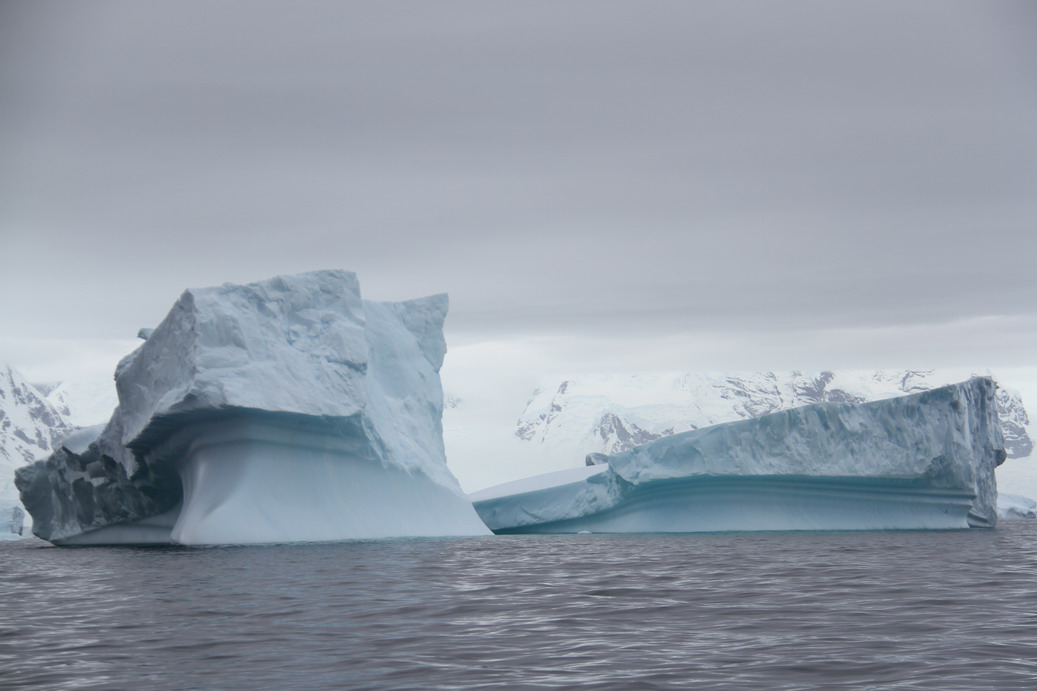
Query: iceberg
{"x": 280, "y": 411}
{"x": 12, "y": 526}
{"x": 1012, "y": 506}
{"x": 922, "y": 461}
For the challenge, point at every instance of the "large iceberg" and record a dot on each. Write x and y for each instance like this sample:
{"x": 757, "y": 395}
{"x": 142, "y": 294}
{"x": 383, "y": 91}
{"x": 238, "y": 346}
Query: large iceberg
{"x": 285, "y": 410}
{"x": 920, "y": 461}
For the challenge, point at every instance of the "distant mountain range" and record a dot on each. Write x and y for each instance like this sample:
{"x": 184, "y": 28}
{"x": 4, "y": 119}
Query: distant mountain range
{"x": 82, "y": 402}
{"x": 30, "y": 425}
{"x": 611, "y": 413}
{"x": 36, "y": 417}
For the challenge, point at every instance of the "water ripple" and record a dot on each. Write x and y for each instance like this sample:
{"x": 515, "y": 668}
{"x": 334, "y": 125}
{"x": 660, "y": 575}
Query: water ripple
{"x": 899, "y": 610}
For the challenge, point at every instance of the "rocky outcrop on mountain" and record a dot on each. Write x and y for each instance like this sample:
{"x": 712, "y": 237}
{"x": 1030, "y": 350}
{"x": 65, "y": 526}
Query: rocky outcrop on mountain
{"x": 1014, "y": 422}
{"x": 30, "y": 429}
{"x": 29, "y": 424}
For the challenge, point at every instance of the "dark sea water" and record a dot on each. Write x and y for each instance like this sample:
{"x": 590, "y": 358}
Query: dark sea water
{"x": 934, "y": 610}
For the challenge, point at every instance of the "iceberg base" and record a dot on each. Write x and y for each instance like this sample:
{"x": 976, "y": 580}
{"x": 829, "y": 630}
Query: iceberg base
{"x": 719, "y": 504}
{"x": 254, "y": 492}
{"x": 154, "y": 530}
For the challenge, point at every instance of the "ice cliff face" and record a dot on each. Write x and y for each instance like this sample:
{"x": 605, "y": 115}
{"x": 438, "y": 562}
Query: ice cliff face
{"x": 611, "y": 414}
{"x": 924, "y": 460}
{"x": 285, "y": 410}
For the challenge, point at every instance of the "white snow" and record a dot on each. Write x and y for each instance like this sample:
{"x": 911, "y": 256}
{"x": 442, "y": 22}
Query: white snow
{"x": 1011, "y": 506}
{"x": 29, "y": 425}
{"x": 83, "y": 401}
{"x": 920, "y": 461}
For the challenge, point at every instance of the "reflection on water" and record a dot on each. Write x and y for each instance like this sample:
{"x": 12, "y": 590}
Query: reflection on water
{"x": 933, "y": 610}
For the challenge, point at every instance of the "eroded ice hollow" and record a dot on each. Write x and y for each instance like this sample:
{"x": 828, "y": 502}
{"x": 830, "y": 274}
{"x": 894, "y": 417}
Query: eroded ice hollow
{"x": 280, "y": 411}
{"x": 924, "y": 461}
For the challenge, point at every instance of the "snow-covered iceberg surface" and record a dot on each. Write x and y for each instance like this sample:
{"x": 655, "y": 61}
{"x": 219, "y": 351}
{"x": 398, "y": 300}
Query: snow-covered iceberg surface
{"x": 921, "y": 461}
{"x": 285, "y": 410}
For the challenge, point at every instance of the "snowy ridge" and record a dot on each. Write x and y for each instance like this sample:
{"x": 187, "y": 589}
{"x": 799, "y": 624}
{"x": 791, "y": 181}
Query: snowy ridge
{"x": 921, "y": 461}
{"x": 29, "y": 423}
{"x": 30, "y": 426}
{"x": 613, "y": 413}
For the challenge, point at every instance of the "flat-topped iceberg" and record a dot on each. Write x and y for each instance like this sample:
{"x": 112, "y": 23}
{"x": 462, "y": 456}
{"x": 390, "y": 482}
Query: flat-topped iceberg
{"x": 921, "y": 461}
{"x": 285, "y": 410}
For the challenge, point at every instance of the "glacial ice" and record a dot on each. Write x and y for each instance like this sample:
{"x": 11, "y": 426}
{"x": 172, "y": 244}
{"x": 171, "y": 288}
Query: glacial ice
{"x": 285, "y": 410}
{"x": 1011, "y": 506}
{"x": 924, "y": 460}
{"x": 12, "y": 523}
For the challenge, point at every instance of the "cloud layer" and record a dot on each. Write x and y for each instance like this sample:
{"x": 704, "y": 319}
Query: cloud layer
{"x": 579, "y": 170}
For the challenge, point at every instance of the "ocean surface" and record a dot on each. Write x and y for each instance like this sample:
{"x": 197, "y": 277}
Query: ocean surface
{"x": 888, "y": 610}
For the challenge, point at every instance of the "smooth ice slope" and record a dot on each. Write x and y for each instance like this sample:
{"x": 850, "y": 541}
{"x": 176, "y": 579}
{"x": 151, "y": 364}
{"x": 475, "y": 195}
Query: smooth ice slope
{"x": 921, "y": 461}
{"x": 285, "y": 410}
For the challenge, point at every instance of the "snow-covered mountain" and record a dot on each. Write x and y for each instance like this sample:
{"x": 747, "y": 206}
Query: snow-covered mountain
{"x": 30, "y": 425}
{"x": 612, "y": 413}
{"x": 84, "y": 402}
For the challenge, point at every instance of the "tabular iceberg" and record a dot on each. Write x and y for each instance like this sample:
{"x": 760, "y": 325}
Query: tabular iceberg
{"x": 285, "y": 410}
{"x": 921, "y": 461}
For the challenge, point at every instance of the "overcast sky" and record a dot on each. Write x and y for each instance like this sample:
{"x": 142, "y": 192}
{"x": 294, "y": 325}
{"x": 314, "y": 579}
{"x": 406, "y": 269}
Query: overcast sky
{"x": 606, "y": 185}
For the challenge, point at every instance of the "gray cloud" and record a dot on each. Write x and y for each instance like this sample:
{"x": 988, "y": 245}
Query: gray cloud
{"x": 575, "y": 168}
